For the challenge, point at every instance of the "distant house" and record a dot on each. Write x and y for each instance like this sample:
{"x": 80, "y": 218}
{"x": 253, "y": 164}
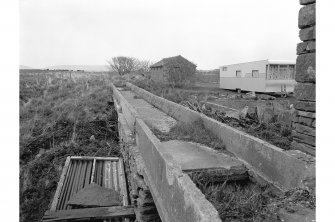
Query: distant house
{"x": 161, "y": 71}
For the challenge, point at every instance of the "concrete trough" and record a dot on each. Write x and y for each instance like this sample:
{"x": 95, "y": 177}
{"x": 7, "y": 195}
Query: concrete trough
{"x": 176, "y": 196}
{"x": 284, "y": 169}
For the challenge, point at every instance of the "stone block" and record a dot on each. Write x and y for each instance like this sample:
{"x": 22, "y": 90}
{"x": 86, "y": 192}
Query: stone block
{"x": 306, "y": 114}
{"x": 303, "y": 120}
{"x": 305, "y": 91}
{"x": 303, "y": 138}
{"x": 307, "y": 16}
{"x": 303, "y": 147}
{"x": 306, "y": 2}
{"x": 306, "y": 47}
{"x": 305, "y": 68}
{"x": 307, "y": 33}
{"x": 313, "y": 123}
{"x": 305, "y": 106}
{"x": 304, "y": 129}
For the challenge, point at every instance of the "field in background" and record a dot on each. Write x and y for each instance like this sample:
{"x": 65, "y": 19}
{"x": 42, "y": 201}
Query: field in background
{"x": 61, "y": 114}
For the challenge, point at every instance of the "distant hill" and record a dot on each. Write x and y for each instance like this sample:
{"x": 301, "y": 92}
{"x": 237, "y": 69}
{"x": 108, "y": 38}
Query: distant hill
{"x": 98, "y": 68}
{"x": 25, "y": 67}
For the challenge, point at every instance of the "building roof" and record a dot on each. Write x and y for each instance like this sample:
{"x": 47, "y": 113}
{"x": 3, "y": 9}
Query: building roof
{"x": 281, "y": 62}
{"x": 269, "y": 61}
{"x": 166, "y": 60}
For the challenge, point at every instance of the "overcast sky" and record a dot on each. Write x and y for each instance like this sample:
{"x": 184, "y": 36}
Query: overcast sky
{"x": 209, "y": 33}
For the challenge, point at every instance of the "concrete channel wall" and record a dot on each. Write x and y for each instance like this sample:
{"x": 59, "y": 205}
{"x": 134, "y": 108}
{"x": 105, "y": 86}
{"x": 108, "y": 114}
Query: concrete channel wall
{"x": 174, "y": 193}
{"x": 284, "y": 169}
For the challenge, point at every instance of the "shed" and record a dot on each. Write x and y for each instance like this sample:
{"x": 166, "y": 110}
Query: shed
{"x": 160, "y": 70}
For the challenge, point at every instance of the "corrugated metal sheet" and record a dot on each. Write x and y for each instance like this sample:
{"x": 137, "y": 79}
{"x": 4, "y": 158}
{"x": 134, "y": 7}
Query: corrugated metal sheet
{"x": 80, "y": 171}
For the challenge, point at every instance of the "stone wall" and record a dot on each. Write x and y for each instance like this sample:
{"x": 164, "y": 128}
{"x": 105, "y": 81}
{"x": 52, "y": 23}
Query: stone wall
{"x": 304, "y": 120}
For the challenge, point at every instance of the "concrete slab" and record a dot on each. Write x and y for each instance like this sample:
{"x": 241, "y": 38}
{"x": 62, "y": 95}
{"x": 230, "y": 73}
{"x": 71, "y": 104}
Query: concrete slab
{"x": 194, "y": 157}
{"x": 151, "y": 115}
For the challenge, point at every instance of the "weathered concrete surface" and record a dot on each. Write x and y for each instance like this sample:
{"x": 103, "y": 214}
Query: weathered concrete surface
{"x": 301, "y": 214}
{"x": 307, "y": 16}
{"x": 141, "y": 199}
{"x": 305, "y": 68}
{"x": 194, "y": 156}
{"x": 176, "y": 196}
{"x": 127, "y": 110}
{"x": 307, "y": 34}
{"x": 272, "y": 163}
{"x": 172, "y": 109}
{"x": 151, "y": 116}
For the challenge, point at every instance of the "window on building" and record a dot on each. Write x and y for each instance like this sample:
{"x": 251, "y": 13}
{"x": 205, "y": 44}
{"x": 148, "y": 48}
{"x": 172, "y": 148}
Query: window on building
{"x": 238, "y": 73}
{"x": 255, "y": 73}
{"x": 224, "y": 68}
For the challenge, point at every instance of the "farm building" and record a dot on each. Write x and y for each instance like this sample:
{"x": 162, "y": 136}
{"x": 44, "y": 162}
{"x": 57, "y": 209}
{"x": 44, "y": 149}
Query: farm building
{"x": 176, "y": 69}
{"x": 273, "y": 76}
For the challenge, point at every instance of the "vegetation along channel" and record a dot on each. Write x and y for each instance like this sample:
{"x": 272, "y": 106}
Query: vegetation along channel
{"x": 59, "y": 117}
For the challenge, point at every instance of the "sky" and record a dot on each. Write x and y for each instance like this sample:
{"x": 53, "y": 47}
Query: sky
{"x": 209, "y": 33}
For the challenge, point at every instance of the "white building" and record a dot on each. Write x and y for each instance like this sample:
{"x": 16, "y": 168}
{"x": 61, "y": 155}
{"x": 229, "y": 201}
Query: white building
{"x": 259, "y": 76}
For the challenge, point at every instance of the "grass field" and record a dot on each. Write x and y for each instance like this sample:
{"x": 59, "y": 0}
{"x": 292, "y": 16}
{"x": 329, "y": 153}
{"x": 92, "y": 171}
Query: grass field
{"x": 60, "y": 116}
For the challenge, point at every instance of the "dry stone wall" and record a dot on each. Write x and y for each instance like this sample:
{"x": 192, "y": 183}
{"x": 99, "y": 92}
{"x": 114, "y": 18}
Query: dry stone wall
{"x": 304, "y": 120}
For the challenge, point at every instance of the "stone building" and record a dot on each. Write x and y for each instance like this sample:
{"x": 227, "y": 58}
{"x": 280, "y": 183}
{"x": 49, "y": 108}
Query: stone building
{"x": 160, "y": 70}
{"x": 304, "y": 121}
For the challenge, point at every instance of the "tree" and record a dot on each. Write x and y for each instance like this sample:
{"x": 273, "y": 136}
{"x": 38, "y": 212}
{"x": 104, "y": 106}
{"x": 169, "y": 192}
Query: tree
{"x": 143, "y": 66}
{"x": 122, "y": 64}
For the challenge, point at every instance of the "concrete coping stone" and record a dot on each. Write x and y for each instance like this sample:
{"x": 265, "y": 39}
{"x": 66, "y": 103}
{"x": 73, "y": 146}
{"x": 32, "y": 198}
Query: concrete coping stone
{"x": 195, "y": 156}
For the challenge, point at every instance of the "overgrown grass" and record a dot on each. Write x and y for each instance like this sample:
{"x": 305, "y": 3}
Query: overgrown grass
{"x": 249, "y": 201}
{"x": 58, "y": 119}
{"x": 193, "y": 132}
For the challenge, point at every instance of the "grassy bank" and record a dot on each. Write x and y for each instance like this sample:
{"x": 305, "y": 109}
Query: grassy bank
{"x": 248, "y": 201}
{"x": 60, "y": 117}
